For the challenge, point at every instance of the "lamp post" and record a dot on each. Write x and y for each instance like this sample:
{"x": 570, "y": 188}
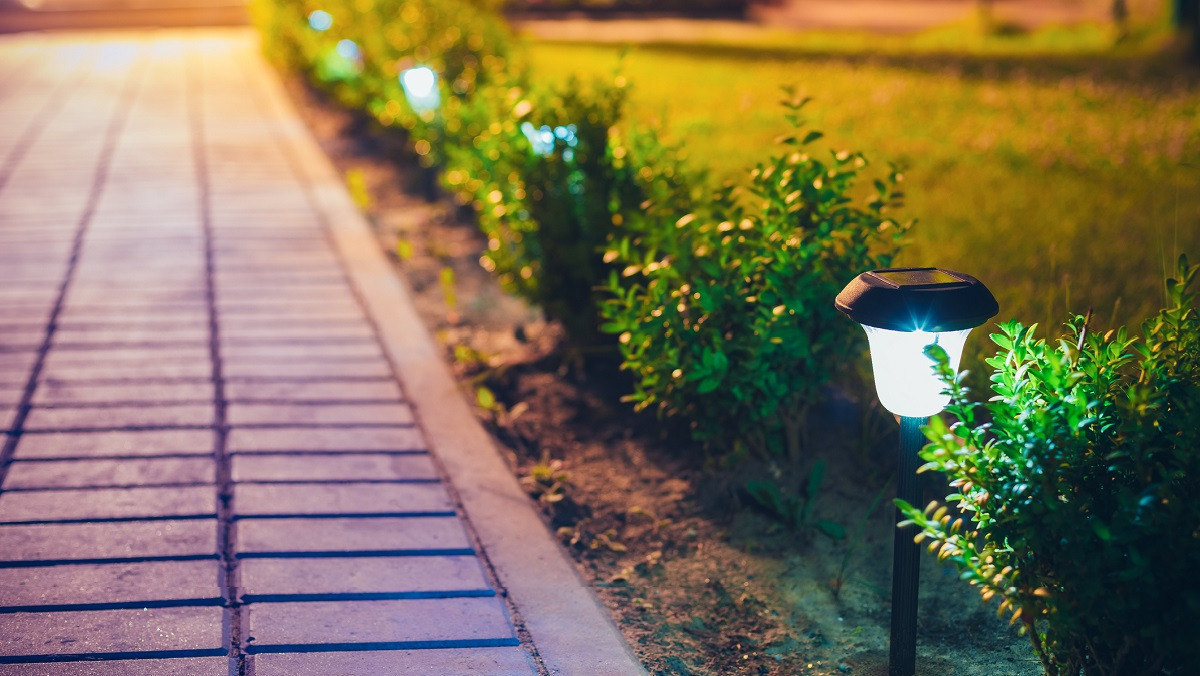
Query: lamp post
{"x": 904, "y": 310}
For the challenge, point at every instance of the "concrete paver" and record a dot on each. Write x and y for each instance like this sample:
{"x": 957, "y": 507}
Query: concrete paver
{"x": 343, "y": 467}
{"x": 298, "y": 439}
{"x": 209, "y": 463}
{"x": 375, "y": 575}
{"x": 150, "y": 632}
{"x": 122, "y": 443}
{"x": 401, "y": 623}
{"x": 117, "y": 417}
{"x": 109, "y": 472}
{"x": 91, "y": 541}
{"x": 318, "y": 413}
{"x": 184, "y": 666}
{"x": 429, "y": 533}
{"x": 346, "y": 498}
{"x": 91, "y": 504}
{"x": 111, "y": 584}
{"x": 379, "y": 391}
{"x": 309, "y": 370}
{"x": 56, "y": 393}
{"x": 508, "y": 661}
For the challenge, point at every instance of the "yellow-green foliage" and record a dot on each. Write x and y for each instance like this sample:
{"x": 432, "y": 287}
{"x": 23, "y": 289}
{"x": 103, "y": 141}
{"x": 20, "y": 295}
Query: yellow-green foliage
{"x": 1076, "y": 484}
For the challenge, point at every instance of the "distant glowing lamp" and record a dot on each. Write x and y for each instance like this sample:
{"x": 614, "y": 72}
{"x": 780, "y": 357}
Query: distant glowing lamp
{"x": 420, "y": 88}
{"x": 320, "y": 20}
{"x": 543, "y": 139}
{"x": 348, "y": 50}
{"x": 905, "y": 310}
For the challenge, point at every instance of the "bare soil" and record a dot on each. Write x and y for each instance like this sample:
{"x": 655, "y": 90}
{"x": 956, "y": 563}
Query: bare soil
{"x": 700, "y": 579}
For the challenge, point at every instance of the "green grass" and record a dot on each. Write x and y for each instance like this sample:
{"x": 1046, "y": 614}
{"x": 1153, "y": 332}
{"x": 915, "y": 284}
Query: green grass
{"x": 1063, "y": 173}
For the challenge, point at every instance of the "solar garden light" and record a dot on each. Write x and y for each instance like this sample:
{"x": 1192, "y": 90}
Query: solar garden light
{"x": 904, "y": 310}
{"x": 420, "y": 85}
{"x": 421, "y": 90}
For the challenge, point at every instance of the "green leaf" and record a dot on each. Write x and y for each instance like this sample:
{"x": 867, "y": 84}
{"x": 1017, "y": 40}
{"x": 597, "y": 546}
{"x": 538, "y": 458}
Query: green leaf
{"x": 1002, "y": 340}
{"x": 767, "y": 495}
{"x": 485, "y": 398}
{"x": 815, "y": 476}
{"x": 832, "y": 529}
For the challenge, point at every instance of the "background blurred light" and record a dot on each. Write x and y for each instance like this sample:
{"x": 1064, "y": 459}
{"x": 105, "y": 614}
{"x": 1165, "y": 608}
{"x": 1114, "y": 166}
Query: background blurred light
{"x": 348, "y": 49}
{"x": 543, "y": 138}
{"x": 420, "y": 88}
{"x": 320, "y": 20}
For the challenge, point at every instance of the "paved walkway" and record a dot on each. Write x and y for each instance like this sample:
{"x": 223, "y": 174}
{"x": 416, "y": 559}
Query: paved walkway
{"x": 209, "y": 464}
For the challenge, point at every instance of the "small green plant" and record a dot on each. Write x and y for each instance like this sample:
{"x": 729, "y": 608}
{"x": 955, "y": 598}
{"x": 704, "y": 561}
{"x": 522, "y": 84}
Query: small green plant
{"x": 839, "y": 581}
{"x": 725, "y": 320}
{"x": 547, "y": 482}
{"x": 449, "y": 294}
{"x": 404, "y": 249}
{"x": 356, "y": 184}
{"x": 795, "y": 512}
{"x": 486, "y": 398}
{"x": 1078, "y": 490}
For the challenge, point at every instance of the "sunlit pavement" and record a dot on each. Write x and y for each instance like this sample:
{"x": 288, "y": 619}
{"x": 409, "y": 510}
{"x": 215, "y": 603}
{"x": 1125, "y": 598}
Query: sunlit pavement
{"x": 209, "y": 465}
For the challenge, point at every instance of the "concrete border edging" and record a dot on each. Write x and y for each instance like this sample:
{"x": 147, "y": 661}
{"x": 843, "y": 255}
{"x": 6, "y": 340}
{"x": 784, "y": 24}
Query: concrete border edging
{"x": 570, "y": 629}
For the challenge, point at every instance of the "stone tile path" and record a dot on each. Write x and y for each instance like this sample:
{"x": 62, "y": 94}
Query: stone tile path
{"x": 208, "y": 464}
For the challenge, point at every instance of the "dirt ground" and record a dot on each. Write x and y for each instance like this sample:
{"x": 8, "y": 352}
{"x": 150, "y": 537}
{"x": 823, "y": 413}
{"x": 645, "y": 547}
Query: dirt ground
{"x": 698, "y": 578}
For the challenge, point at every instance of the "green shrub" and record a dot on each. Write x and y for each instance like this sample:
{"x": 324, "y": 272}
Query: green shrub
{"x": 549, "y": 175}
{"x": 726, "y": 319}
{"x": 358, "y": 49}
{"x": 1082, "y": 491}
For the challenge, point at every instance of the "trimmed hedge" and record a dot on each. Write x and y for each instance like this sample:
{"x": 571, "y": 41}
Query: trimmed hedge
{"x": 725, "y": 317}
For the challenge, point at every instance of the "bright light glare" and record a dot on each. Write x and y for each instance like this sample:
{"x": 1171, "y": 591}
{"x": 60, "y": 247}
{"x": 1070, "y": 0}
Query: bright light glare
{"x": 420, "y": 88}
{"x": 349, "y": 50}
{"x": 904, "y": 376}
{"x": 420, "y": 80}
{"x": 320, "y": 20}
{"x": 542, "y": 138}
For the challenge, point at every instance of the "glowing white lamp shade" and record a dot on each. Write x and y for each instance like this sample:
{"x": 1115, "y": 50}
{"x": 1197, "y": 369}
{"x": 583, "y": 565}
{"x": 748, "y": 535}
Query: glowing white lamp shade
{"x": 904, "y": 375}
{"x": 904, "y": 310}
{"x": 420, "y": 88}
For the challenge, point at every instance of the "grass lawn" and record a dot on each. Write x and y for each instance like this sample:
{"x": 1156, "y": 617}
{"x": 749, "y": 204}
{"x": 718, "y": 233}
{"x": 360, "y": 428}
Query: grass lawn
{"x": 1061, "y": 173}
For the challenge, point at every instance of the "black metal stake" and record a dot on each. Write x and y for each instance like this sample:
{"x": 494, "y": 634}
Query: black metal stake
{"x": 906, "y": 555}
{"x": 429, "y": 184}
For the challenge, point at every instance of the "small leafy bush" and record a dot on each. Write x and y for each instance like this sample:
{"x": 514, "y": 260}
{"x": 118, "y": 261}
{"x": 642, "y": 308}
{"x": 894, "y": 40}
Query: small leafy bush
{"x": 549, "y": 176}
{"x": 726, "y": 320}
{"x": 1079, "y": 485}
{"x": 795, "y": 512}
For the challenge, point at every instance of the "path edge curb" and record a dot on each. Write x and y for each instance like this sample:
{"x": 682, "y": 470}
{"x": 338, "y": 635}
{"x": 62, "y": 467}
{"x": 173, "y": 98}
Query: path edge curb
{"x": 570, "y": 629}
